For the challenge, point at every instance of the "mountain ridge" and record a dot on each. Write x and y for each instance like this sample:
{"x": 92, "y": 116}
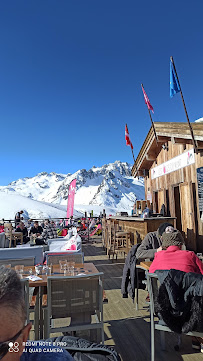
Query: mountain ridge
{"x": 110, "y": 185}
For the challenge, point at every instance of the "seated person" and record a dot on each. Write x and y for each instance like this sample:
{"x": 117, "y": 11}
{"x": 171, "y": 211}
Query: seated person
{"x": 36, "y": 229}
{"x": 21, "y": 228}
{"x": 152, "y": 242}
{"x": 13, "y": 330}
{"x": 49, "y": 232}
{"x": 172, "y": 257}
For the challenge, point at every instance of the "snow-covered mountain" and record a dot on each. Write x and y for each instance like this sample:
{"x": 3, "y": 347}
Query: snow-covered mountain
{"x": 110, "y": 186}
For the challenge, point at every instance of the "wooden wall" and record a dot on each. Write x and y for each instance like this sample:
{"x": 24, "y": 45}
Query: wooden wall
{"x": 186, "y": 180}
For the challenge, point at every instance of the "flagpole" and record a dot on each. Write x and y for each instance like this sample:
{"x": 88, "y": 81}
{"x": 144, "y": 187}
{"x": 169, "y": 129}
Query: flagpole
{"x": 133, "y": 155}
{"x": 191, "y": 130}
{"x": 153, "y": 127}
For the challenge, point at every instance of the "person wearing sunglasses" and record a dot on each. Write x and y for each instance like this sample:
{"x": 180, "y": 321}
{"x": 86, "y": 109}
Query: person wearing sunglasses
{"x": 14, "y": 331}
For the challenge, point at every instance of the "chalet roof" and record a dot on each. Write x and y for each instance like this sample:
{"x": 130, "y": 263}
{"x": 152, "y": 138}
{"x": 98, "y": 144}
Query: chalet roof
{"x": 171, "y": 131}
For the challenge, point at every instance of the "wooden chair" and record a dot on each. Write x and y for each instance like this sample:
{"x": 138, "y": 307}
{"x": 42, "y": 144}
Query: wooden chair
{"x": 12, "y": 235}
{"x": 54, "y": 258}
{"x": 104, "y": 232}
{"x": 118, "y": 241}
{"x": 77, "y": 299}
{"x": 153, "y": 285}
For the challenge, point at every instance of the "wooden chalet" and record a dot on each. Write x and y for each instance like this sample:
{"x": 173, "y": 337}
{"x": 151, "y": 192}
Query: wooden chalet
{"x": 173, "y": 173}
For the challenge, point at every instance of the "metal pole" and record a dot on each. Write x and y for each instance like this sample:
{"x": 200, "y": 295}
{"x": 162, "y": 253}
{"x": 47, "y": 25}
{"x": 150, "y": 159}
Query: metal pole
{"x": 191, "y": 130}
{"x": 153, "y": 126}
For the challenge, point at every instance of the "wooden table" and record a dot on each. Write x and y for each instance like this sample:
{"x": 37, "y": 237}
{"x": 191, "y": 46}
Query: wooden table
{"x": 145, "y": 265}
{"x": 86, "y": 269}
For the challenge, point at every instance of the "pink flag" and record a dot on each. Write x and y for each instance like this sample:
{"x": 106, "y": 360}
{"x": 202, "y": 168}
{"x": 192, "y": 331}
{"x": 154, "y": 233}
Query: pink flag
{"x": 149, "y": 106}
{"x": 71, "y": 196}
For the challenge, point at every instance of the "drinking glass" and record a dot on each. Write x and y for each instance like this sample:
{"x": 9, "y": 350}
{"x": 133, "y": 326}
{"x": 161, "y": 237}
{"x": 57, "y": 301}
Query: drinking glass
{"x": 38, "y": 269}
{"x": 30, "y": 271}
{"x": 63, "y": 265}
{"x": 72, "y": 268}
{"x": 19, "y": 268}
{"x": 47, "y": 270}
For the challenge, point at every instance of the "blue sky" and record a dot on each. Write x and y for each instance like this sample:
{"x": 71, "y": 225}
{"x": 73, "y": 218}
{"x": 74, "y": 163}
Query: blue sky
{"x": 70, "y": 75}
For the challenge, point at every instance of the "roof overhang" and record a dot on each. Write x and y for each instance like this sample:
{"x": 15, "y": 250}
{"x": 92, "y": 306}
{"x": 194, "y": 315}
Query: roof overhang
{"x": 177, "y": 133}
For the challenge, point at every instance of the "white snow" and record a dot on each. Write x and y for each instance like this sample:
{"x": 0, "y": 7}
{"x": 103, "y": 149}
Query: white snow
{"x": 10, "y": 203}
{"x": 200, "y": 120}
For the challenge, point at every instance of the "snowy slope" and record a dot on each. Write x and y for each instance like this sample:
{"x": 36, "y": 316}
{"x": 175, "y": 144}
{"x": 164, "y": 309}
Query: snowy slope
{"x": 110, "y": 186}
{"x": 10, "y": 203}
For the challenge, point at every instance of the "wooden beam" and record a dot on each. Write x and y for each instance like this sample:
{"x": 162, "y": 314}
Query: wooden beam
{"x": 140, "y": 173}
{"x": 175, "y": 140}
{"x": 199, "y": 144}
{"x": 181, "y": 140}
{"x": 151, "y": 156}
{"x": 162, "y": 139}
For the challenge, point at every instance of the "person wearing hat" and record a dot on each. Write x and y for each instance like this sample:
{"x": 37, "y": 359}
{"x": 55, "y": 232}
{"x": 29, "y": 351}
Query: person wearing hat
{"x": 173, "y": 257}
{"x": 152, "y": 242}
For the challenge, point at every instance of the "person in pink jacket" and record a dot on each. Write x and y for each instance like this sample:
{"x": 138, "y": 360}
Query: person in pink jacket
{"x": 172, "y": 257}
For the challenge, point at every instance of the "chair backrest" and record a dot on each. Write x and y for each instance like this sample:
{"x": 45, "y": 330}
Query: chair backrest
{"x": 74, "y": 295}
{"x": 30, "y": 261}
{"x": 25, "y": 285}
{"x": 153, "y": 285}
{"x": 8, "y": 227}
{"x": 54, "y": 258}
{"x": 3, "y": 240}
{"x": 21, "y": 253}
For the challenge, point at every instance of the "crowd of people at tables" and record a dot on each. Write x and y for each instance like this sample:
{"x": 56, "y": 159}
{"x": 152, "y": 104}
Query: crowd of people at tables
{"x": 40, "y": 233}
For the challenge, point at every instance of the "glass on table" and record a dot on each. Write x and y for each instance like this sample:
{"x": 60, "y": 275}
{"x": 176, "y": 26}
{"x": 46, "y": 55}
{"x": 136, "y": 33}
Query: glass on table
{"x": 30, "y": 271}
{"x": 72, "y": 268}
{"x": 38, "y": 269}
{"x": 19, "y": 268}
{"x": 63, "y": 264}
{"x": 47, "y": 270}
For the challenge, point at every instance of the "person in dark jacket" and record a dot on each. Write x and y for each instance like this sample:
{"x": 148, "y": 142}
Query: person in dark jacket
{"x": 129, "y": 278}
{"x": 152, "y": 242}
{"x": 36, "y": 229}
{"x": 21, "y": 228}
{"x": 18, "y": 218}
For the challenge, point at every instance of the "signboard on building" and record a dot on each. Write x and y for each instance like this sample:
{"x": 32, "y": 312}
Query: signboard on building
{"x": 181, "y": 161}
{"x": 200, "y": 189}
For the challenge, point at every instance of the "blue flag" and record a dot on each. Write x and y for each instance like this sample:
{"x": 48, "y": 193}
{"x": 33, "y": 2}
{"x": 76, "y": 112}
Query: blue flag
{"x": 174, "y": 85}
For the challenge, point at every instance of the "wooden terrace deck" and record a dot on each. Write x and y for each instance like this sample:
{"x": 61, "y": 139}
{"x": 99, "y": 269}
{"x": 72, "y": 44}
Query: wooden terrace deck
{"x": 126, "y": 328}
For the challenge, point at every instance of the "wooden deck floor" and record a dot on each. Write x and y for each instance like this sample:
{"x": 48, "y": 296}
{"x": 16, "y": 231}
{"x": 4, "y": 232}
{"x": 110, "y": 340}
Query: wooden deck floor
{"x": 126, "y": 328}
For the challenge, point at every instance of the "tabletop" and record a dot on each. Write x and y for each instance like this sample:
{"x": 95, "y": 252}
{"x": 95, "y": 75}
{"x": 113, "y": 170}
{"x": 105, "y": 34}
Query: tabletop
{"x": 85, "y": 268}
{"x": 145, "y": 264}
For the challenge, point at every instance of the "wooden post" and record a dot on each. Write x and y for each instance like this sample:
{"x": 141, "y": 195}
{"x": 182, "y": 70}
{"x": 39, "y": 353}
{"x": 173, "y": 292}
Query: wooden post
{"x": 191, "y": 130}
